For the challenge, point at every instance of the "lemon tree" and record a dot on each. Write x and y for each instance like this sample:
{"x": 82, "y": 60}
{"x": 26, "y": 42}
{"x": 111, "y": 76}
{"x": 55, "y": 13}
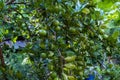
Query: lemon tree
{"x": 63, "y": 38}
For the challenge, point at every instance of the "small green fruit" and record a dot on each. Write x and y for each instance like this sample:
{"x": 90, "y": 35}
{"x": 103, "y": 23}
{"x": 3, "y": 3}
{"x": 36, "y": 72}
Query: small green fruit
{"x": 56, "y": 23}
{"x": 43, "y": 55}
{"x": 50, "y": 78}
{"x": 81, "y": 73}
{"x": 103, "y": 26}
{"x": 58, "y": 28}
{"x": 91, "y": 42}
{"x": 80, "y": 68}
{"x": 42, "y": 45}
{"x": 57, "y": 78}
{"x": 102, "y": 31}
{"x": 72, "y": 29}
{"x": 71, "y": 78}
{"x": 50, "y": 67}
{"x": 54, "y": 74}
{"x": 105, "y": 36}
{"x": 42, "y": 32}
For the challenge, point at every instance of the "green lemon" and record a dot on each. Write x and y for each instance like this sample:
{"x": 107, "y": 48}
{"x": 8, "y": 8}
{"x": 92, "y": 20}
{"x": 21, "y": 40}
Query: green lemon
{"x": 71, "y": 78}
{"x": 43, "y": 55}
{"x": 58, "y": 7}
{"x": 56, "y": 23}
{"x": 42, "y": 45}
{"x": 80, "y": 68}
{"x": 105, "y": 36}
{"x": 102, "y": 31}
{"x": 58, "y": 28}
{"x": 81, "y": 73}
{"x": 42, "y": 32}
{"x": 50, "y": 67}
{"x": 103, "y": 26}
{"x": 72, "y": 29}
{"x": 91, "y": 42}
{"x": 57, "y": 78}
{"x": 70, "y": 58}
{"x": 53, "y": 74}
{"x": 50, "y": 78}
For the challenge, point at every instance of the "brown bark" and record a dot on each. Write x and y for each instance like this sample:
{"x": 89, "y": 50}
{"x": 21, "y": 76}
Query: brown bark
{"x": 2, "y": 63}
{"x": 9, "y": 2}
{"x": 1, "y": 58}
{"x": 61, "y": 62}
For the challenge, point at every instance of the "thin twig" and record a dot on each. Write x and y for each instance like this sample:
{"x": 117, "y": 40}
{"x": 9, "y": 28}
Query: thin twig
{"x": 13, "y": 2}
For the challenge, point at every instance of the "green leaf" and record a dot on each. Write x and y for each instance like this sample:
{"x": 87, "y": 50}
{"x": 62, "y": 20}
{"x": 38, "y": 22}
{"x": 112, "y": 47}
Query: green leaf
{"x": 70, "y": 53}
{"x": 105, "y": 5}
{"x": 115, "y": 34}
{"x": 65, "y": 77}
{"x": 14, "y": 39}
{"x": 1, "y": 4}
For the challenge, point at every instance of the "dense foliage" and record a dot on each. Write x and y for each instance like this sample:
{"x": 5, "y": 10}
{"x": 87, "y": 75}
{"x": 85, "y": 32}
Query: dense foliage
{"x": 60, "y": 39}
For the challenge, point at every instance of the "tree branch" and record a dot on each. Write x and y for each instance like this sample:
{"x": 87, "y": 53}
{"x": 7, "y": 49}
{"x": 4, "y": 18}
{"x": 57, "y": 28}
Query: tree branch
{"x": 9, "y": 2}
{"x": 2, "y": 58}
{"x": 61, "y": 63}
{"x": 20, "y": 3}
